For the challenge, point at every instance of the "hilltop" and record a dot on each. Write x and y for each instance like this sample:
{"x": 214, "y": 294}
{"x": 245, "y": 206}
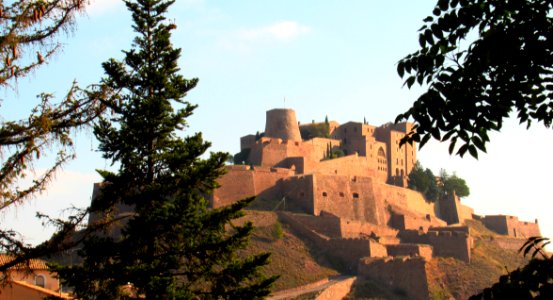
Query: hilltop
{"x": 341, "y": 195}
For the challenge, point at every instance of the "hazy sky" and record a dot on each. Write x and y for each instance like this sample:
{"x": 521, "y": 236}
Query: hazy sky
{"x": 335, "y": 58}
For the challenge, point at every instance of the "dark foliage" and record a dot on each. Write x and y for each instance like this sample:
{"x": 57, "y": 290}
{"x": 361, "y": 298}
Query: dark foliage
{"x": 472, "y": 89}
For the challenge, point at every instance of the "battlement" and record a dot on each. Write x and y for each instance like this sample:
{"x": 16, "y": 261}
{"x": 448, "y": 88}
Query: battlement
{"x": 511, "y": 226}
{"x": 408, "y": 274}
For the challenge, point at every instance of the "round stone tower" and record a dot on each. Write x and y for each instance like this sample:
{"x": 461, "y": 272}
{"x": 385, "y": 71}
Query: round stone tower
{"x": 281, "y": 123}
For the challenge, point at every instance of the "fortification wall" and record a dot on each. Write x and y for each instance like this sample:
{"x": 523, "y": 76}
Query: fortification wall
{"x": 247, "y": 141}
{"x": 299, "y": 191}
{"x": 320, "y": 146}
{"x": 403, "y": 220}
{"x": 452, "y": 211}
{"x": 349, "y": 197}
{"x": 508, "y": 243}
{"x": 351, "y": 165}
{"x": 300, "y": 229}
{"x": 282, "y": 123}
{"x": 326, "y": 224}
{"x": 338, "y": 290}
{"x": 405, "y": 198}
{"x": 406, "y": 274}
{"x": 453, "y": 243}
{"x": 349, "y": 251}
{"x": 353, "y": 229}
{"x": 511, "y": 226}
{"x": 411, "y": 250}
{"x": 242, "y": 181}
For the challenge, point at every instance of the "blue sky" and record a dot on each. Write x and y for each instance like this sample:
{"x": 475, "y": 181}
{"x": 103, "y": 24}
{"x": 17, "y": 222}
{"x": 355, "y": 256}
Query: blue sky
{"x": 328, "y": 57}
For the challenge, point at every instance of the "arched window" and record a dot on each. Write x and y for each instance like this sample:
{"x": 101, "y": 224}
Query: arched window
{"x": 397, "y": 172}
{"x": 40, "y": 280}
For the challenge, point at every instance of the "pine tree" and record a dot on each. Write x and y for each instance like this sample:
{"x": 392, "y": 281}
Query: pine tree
{"x": 172, "y": 246}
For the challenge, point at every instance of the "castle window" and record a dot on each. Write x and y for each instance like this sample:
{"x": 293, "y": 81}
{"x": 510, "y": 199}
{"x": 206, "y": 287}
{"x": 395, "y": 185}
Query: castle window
{"x": 341, "y": 194}
{"x": 397, "y": 172}
{"x": 40, "y": 280}
{"x": 324, "y": 194}
{"x": 355, "y": 195}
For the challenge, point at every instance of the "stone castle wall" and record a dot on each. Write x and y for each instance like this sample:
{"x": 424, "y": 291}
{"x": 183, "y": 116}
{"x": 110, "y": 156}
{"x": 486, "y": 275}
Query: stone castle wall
{"x": 511, "y": 226}
{"x": 243, "y": 181}
{"x": 406, "y": 274}
{"x": 411, "y": 250}
{"x": 445, "y": 243}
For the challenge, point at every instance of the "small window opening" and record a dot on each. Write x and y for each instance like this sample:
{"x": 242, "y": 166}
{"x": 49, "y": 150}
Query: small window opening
{"x": 40, "y": 281}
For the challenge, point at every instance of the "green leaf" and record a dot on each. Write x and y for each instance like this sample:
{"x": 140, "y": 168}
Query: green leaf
{"x": 410, "y": 81}
{"x": 443, "y": 4}
{"x": 473, "y": 151}
{"x": 452, "y": 145}
{"x": 424, "y": 140}
{"x": 401, "y": 69}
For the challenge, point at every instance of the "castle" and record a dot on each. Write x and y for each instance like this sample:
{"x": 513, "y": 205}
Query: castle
{"x": 345, "y": 189}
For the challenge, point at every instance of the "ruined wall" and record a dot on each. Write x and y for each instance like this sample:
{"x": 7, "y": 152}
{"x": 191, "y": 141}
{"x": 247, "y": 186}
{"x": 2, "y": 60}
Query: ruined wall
{"x": 511, "y": 226}
{"x": 282, "y": 123}
{"x": 406, "y": 274}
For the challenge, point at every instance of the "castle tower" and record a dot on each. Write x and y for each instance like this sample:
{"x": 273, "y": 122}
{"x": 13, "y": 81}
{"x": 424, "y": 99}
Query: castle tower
{"x": 281, "y": 123}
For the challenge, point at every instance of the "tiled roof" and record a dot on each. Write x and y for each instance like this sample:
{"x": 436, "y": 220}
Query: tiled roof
{"x": 34, "y": 264}
{"x": 44, "y": 291}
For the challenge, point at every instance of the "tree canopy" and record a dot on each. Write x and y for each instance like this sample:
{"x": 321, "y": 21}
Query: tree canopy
{"x": 424, "y": 181}
{"x": 170, "y": 245}
{"x": 508, "y": 67}
{"x": 471, "y": 89}
{"x": 29, "y": 32}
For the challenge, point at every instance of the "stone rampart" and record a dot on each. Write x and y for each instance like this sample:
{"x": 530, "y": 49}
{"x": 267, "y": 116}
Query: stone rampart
{"x": 353, "y": 228}
{"x": 410, "y": 250}
{"x": 402, "y": 219}
{"x": 242, "y": 181}
{"x": 405, "y": 198}
{"x": 338, "y": 290}
{"x": 349, "y": 251}
{"x": 351, "y": 165}
{"x": 408, "y": 275}
{"x": 453, "y": 243}
{"x": 511, "y": 226}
